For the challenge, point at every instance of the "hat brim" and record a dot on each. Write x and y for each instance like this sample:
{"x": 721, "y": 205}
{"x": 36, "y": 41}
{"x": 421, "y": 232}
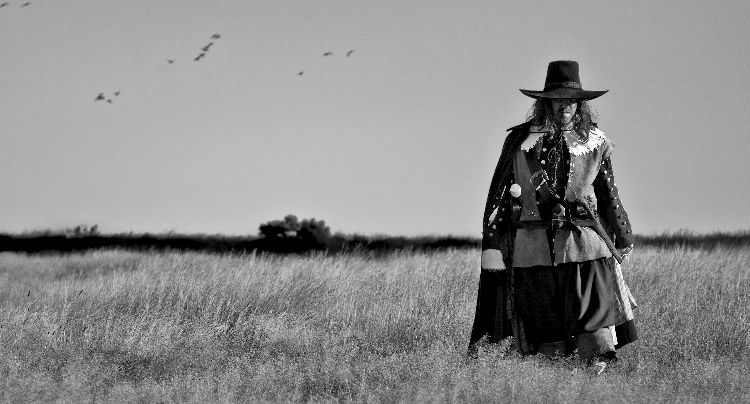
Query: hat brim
{"x": 564, "y": 92}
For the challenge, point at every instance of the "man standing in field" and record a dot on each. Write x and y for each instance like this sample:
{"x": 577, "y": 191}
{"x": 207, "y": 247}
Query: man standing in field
{"x": 555, "y": 232}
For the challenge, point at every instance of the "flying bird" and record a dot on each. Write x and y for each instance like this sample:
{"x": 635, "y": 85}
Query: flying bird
{"x": 215, "y": 36}
{"x": 109, "y": 101}
{"x": 25, "y": 4}
{"x": 199, "y": 57}
{"x": 207, "y": 47}
{"x": 99, "y": 97}
{"x": 4, "y": 4}
{"x": 301, "y": 73}
{"x": 328, "y": 54}
{"x": 170, "y": 61}
{"x": 116, "y": 93}
{"x": 349, "y": 53}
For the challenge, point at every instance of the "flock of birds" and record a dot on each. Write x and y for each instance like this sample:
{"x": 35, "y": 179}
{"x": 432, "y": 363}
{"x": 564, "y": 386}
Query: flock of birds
{"x": 202, "y": 54}
{"x": 203, "y": 51}
{"x": 326, "y": 54}
{"x": 102, "y": 97}
{"x": 6, "y": 4}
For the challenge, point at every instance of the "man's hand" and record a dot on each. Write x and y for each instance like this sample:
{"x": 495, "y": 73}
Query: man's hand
{"x": 492, "y": 260}
{"x": 625, "y": 252}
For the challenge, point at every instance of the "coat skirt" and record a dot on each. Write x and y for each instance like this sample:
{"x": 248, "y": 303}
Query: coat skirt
{"x": 557, "y": 302}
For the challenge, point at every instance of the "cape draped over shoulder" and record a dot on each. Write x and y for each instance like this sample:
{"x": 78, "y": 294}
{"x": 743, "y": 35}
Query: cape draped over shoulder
{"x": 513, "y": 141}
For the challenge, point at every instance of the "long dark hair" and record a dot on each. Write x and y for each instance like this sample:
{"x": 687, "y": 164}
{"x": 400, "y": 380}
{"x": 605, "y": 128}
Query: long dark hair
{"x": 584, "y": 119}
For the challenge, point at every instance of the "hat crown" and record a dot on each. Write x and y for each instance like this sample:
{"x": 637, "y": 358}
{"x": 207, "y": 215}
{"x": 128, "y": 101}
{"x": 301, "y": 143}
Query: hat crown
{"x": 562, "y": 73}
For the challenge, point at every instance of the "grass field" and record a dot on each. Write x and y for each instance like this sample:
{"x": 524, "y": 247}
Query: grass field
{"x": 117, "y": 326}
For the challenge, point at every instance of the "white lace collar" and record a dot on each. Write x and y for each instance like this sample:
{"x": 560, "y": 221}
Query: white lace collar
{"x": 575, "y": 146}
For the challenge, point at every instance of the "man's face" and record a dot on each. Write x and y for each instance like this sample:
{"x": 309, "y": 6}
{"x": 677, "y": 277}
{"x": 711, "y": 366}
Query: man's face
{"x": 563, "y": 109}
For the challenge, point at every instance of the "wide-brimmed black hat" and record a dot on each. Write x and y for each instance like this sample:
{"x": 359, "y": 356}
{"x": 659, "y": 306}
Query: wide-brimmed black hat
{"x": 563, "y": 82}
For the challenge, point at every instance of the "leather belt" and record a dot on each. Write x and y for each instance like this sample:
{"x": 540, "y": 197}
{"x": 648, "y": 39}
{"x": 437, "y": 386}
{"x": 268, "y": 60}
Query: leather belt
{"x": 572, "y": 225}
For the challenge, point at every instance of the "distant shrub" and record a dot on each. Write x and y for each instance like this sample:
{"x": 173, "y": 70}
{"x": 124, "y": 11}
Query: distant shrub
{"x": 292, "y": 235}
{"x": 82, "y": 230}
{"x": 280, "y": 229}
{"x": 314, "y": 232}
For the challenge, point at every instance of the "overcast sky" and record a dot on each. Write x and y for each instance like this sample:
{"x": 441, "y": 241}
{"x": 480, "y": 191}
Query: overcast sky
{"x": 401, "y": 137}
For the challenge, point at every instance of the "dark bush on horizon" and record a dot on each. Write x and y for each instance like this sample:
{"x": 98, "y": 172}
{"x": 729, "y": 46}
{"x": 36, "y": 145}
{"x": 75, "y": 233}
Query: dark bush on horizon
{"x": 687, "y": 238}
{"x": 291, "y": 235}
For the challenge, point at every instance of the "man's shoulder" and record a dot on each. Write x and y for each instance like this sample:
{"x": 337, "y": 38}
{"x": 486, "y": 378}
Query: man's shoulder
{"x": 516, "y": 135}
{"x": 520, "y": 128}
{"x": 518, "y": 132}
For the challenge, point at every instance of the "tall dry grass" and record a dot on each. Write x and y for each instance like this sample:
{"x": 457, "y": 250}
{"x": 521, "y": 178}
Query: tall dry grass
{"x": 115, "y": 326}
